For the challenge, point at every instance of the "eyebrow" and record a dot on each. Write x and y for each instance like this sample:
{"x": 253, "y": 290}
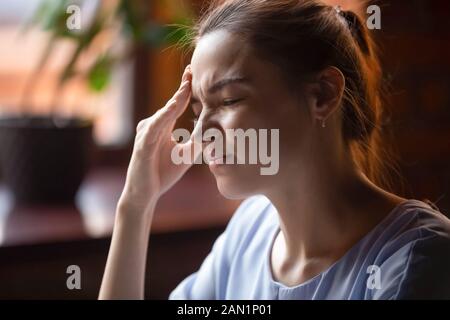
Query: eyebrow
{"x": 222, "y": 83}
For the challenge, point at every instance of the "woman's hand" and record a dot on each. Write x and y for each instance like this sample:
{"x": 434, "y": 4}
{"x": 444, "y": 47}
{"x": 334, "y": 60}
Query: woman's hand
{"x": 151, "y": 171}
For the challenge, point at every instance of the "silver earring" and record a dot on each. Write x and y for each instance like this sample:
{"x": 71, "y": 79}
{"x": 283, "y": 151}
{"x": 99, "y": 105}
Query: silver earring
{"x": 323, "y": 123}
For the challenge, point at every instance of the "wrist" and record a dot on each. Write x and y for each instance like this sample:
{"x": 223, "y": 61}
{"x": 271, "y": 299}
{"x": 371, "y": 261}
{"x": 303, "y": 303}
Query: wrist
{"x": 128, "y": 210}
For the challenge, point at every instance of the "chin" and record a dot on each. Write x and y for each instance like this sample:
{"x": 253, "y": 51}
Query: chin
{"x": 234, "y": 189}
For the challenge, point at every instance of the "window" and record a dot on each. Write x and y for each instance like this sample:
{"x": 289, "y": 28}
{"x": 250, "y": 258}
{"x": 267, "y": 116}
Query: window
{"x": 111, "y": 109}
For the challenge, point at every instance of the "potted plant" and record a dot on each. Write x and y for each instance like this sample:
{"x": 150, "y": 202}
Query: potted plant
{"x": 44, "y": 158}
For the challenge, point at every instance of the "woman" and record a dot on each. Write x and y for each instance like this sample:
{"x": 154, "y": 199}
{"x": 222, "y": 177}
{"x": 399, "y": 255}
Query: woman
{"x": 322, "y": 227}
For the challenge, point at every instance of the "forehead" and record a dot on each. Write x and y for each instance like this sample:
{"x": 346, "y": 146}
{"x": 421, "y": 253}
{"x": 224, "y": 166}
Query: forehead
{"x": 219, "y": 55}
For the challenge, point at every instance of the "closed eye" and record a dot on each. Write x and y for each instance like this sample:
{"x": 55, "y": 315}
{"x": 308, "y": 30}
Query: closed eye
{"x": 225, "y": 103}
{"x": 229, "y": 102}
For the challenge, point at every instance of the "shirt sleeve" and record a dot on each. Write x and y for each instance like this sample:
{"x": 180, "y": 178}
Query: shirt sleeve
{"x": 424, "y": 272}
{"x": 210, "y": 281}
{"x": 428, "y": 274}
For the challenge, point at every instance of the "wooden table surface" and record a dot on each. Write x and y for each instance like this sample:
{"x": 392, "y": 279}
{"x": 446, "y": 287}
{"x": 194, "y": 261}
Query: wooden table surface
{"x": 193, "y": 203}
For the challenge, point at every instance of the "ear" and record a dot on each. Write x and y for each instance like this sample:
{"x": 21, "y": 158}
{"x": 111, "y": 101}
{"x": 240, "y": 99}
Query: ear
{"x": 328, "y": 91}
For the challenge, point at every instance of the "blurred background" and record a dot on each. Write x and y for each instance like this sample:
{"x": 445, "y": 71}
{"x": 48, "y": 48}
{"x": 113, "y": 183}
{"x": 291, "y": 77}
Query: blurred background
{"x": 72, "y": 92}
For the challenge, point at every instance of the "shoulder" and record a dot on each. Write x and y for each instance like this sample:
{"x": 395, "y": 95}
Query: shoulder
{"x": 414, "y": 221}
{"x": 427, "y": 218}
{"x": 415, "y": 258}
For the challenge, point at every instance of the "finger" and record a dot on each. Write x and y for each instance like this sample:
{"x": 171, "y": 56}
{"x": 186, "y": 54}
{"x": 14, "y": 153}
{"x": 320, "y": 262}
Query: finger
{"x": 166, "y": 116}
{"x": 187, "y": 74}
{"x": 164, "y": 119}
{"x": 182, "y": 99}
{"x": 177, "y": 105}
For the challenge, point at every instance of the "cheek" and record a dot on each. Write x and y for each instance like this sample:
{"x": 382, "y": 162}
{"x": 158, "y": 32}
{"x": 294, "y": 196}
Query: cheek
{"x": 240, "y": 119}
{"x": 293, "y": 127}
{"x": 248, "y": 116}
{"x": 242, "y": 180}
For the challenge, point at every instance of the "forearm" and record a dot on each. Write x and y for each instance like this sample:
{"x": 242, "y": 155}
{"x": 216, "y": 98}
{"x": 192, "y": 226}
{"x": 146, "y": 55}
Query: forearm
{"x": 124, "y": 275}
{"x": 150, "y": 173}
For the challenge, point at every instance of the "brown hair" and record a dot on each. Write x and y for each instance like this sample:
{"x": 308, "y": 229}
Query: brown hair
{"x": 305, "y": 36}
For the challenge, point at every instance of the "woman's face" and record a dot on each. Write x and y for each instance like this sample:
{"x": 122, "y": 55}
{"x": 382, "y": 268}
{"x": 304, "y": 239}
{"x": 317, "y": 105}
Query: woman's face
{"x": 233, "y": 89}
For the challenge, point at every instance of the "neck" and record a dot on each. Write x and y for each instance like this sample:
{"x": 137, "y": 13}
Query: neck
{"x": 325, "y": 208}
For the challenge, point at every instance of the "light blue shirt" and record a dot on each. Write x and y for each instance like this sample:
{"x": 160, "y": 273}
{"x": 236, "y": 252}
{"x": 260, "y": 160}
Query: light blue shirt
{"x": 406, "y": 256}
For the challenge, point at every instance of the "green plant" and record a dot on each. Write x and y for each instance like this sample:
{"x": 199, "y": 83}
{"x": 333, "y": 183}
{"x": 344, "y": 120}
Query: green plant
{"x": 129, "y": 17}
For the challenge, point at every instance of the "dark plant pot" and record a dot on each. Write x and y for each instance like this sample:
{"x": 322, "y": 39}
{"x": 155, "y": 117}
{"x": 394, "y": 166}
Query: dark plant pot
{"x": 44, "y": 160}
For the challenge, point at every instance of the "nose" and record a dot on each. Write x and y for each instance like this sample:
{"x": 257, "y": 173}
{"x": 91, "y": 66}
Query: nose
{"x": 206, "y": 129}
